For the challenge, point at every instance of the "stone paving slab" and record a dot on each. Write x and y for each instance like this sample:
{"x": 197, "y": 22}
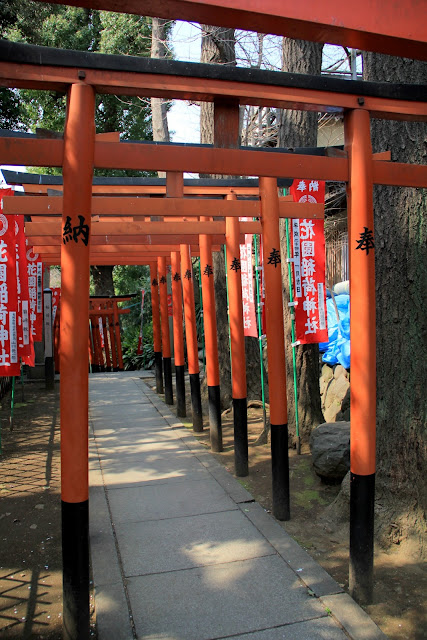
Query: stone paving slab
{"x": 137, "y": 471}
{"x": 320, "y": 629}
{"x": 218, "y": 601}
{"x": 194, "y": 541}
{"x": 171, "y": 500}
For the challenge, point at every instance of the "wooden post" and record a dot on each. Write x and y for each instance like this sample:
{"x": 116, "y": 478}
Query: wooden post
{"x": 211, "y": 342}
{"x": 95, "y": 320}
{"x": 237, "y": 342}
{"x": 49, "y": 365}
{"x": 157, "y": 336}
{"x": 363, "y": 355}
{"x": 175, "y": 189}
{"x": 178, "y": 332}
{"x": 166, "y": 345}
{"x": 112, "y": 337}
{"x": 117, "y": 335}
{"x": 79, "y": 137}
{"x": 275, "y": 347}
{"x": 191, "y": 337}
{"x": 106, "y": 344}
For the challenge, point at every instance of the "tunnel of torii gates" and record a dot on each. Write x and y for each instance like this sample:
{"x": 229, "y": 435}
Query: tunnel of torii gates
{"x": 193, "y": 222}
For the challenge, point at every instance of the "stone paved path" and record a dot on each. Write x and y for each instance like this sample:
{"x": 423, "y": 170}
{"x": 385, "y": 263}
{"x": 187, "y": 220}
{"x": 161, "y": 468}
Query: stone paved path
{"x": 180, "y": 550}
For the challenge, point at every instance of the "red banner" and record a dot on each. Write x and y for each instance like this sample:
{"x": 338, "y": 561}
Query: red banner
{"x": 308, "y": 243}
{"x": 25, "y": 340}
{"x": 248, "y": 297}
{"x": 35, "y": 285}
{"x": 9, "y": 360}
{"x": 308, "y": 191}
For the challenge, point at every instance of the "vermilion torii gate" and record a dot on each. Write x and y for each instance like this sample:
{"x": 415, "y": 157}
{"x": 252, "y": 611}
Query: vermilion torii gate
{"x": 82, "y": 75}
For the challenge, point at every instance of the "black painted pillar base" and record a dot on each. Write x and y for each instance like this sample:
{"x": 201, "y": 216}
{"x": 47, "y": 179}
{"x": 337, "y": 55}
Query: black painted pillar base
{"x": 75, "y": 563}
{"x": 215, "y": 418}
{"x": 114, "y": 368}
{"x": 181, "y": 410}
{"x": 196, "y": 402}
{"x": 167, "y": 368}
{"x": 159, "y": 371}
{"x": 49, "y": 373}
{"x": 280, "y": 471}
{"x": 362, "y": 497}
{"x": 240, "y": 413}
{"x": 95, "y": 368}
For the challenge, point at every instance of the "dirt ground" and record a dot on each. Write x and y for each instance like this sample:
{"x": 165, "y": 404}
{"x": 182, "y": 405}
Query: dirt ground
{"x": 30, "y": 545}
{"x": 30, "y": 516}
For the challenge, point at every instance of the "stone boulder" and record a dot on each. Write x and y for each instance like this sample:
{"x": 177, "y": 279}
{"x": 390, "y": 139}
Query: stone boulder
{"x": 330, "y": 450}
{"x": 335, "y": 393}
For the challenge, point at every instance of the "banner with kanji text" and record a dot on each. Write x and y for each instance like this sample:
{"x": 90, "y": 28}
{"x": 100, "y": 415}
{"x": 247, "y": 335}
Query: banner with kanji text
{"x": 35, "y": 286}
{"x": 308, "y": 245}
{"x": 9, "y": 359}
{"x": 248, "y": 296}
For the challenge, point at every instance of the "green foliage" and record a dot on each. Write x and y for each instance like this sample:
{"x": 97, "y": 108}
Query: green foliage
{"x": 131, "y": 359}
{"x": 84, "y": 30}
{"x": 127, "y": 280}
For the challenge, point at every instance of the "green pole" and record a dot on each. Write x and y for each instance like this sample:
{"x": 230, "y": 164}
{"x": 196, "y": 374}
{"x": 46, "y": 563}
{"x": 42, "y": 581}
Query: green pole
{"x": 294, "y": 364}
{"x": 259, "y": 319}
{"x": 12, "y": 403}
{"x": 22, "y": 383}
{"x": 202, "y": 326}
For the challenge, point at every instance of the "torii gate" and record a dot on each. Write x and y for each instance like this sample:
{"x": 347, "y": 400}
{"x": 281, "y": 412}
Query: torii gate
{"x": 78, "y": 152}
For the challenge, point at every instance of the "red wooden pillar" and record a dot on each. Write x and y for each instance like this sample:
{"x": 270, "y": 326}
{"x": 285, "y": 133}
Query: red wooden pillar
{"x": 275, "y": 347}
{"x": 157, "y": 338}
{"x": 237, "y": 341}
{"x": 191, "y": 337}
{"x": 175, "y": 189}
{"x": 363, "y": 354}
{"x": 166, "y": 344}
{"x": 211, "y": 341}
{"x": 79, "y": 137}
{"x": 178, "y": 334}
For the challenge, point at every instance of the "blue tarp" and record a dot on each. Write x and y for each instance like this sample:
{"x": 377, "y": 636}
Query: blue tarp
{"x": 337, "y": 349}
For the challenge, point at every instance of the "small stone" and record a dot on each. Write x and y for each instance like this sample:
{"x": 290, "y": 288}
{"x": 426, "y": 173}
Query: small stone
{"x": 33, "y": 526}
{"x": 39, "y": 506}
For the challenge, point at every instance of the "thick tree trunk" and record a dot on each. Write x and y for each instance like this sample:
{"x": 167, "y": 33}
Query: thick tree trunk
{"x": 103, "y": 280}
{"x": 218, "y": 48}
{"x": 400, "y": 216}
{"x": 158, "y": 105}
{"x": 299, "y": 129}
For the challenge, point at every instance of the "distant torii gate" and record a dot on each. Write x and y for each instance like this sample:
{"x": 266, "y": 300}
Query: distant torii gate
{"x": 78, "y": 152}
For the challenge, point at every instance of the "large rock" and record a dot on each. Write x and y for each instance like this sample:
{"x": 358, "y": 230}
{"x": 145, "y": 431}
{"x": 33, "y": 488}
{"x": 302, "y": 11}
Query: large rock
{"x": 330, "y": 450}
{"x": 335, "y": 393}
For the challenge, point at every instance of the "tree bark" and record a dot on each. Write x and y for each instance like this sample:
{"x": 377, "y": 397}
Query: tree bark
{"x": 218, "y": 47}
{"x": 102, "y": 280}
{"x": 158, "y": 105}
{"x": 299, "y": 129}
{"x": 401, "y": 283}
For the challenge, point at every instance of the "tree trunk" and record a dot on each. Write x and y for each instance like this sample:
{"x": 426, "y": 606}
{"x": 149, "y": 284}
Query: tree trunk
{"x": 299, "y": 129}
{"x": 218, "y": 47}
{"x": 103, "y": 280}
{"x": 400, "y": 216}
{"x": 158, "y": 105}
